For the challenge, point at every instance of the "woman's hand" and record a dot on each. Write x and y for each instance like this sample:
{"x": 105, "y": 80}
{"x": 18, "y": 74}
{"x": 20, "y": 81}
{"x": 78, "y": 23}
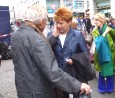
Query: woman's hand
{"x": 56, "y": 32}
{"x": 106, "y": 31}
{"x": 69, "y": 61}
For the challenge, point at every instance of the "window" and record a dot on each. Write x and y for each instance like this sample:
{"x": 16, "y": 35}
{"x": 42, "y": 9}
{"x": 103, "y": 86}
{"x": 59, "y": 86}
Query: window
{"x": 68, "y": 4}
{"x": 78, "y": 5}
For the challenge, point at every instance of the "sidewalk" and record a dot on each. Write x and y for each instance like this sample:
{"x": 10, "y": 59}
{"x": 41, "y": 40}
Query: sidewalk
{"x": 7, "y": 85}
{"x": 95, "y": 94}
{"x": 1, "y": 96}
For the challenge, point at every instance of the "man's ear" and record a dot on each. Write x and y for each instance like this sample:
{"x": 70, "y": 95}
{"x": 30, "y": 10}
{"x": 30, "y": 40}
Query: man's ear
{"x": 40, "y": 22}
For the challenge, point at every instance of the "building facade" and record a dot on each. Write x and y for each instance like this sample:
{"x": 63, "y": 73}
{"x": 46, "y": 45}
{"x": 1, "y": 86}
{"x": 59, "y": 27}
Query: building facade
{"x": 105, "y": 6}
{"x": 79, "y": 7}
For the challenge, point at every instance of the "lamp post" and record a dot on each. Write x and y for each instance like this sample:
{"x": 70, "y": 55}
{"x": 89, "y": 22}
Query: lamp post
{"x": 14, "y": 13}
{"x": 72, "y": 1}
{"x": 61, "y": 3}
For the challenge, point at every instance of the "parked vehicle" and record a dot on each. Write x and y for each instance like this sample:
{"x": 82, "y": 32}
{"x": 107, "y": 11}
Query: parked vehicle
{"x": 5, "y": 32}
{"x": 5, "y": 27}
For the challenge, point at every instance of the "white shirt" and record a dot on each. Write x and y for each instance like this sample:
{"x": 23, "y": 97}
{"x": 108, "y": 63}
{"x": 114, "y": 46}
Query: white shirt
{"x": 62, "y": 39}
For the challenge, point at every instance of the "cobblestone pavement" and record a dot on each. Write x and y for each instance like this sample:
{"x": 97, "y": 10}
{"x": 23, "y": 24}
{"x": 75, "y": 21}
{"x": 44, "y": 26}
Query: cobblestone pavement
{"x": 7, "y": 85}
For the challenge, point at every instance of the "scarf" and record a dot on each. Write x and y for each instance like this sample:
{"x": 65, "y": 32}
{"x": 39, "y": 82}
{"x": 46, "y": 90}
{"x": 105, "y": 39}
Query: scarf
{"x": 102, "y": 46}
{"x": 102, "y": 30}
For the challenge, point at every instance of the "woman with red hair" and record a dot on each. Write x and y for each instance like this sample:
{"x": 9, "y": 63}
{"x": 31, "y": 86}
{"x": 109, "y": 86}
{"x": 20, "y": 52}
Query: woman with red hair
{"x": 65, "y": 42}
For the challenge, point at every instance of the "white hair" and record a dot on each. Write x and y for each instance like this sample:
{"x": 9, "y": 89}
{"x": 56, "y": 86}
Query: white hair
{"x": 35, "y": 13}
{"x": 74, "y": 20}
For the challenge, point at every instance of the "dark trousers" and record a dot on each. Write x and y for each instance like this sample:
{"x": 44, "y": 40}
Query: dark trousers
{"x": 63, "y": 94}
{"x": 88, "y": 29}
{"x": 106, "y": 85}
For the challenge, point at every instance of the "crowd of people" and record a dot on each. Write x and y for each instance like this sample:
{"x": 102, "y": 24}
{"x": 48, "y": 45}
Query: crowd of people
{"x": 48, "y": 67}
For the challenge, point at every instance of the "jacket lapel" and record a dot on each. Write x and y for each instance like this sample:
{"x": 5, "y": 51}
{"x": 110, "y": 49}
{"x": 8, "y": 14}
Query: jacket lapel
{"x": 68, "y": 37}
{"x": 59, "y": 42}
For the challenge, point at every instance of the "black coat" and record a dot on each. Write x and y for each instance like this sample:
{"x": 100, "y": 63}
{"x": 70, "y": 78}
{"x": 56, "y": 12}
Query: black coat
{"x": 84, "y": 71}
{"x": 87, "y": 22}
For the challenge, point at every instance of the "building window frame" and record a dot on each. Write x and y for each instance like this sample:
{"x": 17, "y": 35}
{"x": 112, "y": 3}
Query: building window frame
{"x": 79, "y": 5}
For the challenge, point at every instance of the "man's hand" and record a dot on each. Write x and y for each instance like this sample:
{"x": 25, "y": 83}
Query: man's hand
{"x": 85, "y": 88}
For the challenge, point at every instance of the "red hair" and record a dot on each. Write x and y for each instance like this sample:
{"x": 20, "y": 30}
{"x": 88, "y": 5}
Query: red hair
{"x": 63, "y": 13}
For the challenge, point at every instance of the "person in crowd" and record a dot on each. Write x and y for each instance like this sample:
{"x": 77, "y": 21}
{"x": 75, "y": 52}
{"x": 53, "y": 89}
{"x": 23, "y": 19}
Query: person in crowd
{"x": 51, "y": 23}
{"x": 79, "y": 23}
{"x": 104, "y": 56}
{"x": 36, "y": 69}
{"x": 66, "y": 42}
{"x": 107, "y": 21}
{"x": 87, "y": 22}
{"x": 74, "y": 23}
{"x": 112, "y": 23}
